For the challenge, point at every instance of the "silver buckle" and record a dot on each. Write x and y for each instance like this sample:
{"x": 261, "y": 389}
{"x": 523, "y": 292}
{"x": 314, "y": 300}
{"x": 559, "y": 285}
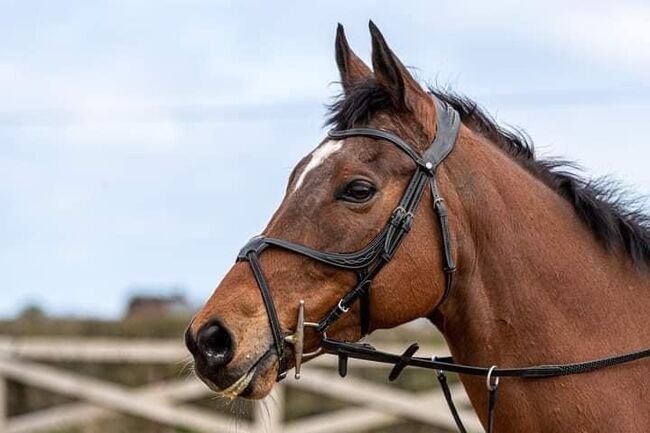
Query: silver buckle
{"x": 297, "y": 339}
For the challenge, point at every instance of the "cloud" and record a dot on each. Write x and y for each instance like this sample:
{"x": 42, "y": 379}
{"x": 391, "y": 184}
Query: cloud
{"x": 615, "y": 35}
{"x": 144, "y": 142}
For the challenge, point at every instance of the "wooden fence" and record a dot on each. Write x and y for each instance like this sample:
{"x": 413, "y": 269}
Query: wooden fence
{"x": 369, "y": 404}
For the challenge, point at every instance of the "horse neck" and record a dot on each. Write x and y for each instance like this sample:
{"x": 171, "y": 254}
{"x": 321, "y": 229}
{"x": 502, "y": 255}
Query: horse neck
{"x": 534, "y": 285}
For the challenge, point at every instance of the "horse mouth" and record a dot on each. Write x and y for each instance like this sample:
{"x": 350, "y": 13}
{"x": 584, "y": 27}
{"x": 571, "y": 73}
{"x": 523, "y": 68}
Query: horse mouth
{"x": 240, "y": 385}
{"x": 244, "y": 385}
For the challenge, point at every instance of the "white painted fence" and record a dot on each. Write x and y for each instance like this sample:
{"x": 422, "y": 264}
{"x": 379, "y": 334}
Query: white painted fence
{"x": 370, "y": 404}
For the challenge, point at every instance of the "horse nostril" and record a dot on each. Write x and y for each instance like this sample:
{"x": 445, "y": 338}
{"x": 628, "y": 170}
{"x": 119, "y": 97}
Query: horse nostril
{"x": 190, "y": 343}
{"x": 215, "y": 344}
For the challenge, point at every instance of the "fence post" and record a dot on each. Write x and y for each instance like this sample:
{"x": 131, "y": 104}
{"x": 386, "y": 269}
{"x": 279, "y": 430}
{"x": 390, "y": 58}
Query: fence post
{"x": 4, "y": 404}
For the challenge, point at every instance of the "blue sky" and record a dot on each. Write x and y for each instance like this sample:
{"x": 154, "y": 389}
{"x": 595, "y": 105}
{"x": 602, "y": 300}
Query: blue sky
{"x": 129, "y": 130}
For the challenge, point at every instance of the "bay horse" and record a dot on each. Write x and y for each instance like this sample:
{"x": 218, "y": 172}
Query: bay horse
{"x": 548, "y": 267}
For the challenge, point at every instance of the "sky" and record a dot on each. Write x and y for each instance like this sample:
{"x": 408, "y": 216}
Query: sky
{"x": 142, "y": 143}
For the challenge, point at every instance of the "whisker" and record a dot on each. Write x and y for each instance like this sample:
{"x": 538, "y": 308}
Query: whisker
{"x": 187, "y": 367}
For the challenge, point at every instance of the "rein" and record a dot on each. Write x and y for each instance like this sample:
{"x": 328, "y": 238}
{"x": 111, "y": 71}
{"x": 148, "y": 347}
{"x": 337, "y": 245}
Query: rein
{"x": 368, "y": 262}
{"x": 363, "y": 351}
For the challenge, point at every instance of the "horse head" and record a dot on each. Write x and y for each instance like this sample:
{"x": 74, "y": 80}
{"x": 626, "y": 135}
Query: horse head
{"x": 341, "y": 198}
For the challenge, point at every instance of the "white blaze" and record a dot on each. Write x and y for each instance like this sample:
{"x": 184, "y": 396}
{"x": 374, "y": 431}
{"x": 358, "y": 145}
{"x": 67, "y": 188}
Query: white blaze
{"x": 318, "y": 156}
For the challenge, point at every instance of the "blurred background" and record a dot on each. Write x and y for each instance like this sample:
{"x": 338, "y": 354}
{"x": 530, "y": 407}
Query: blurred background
{"x": 142, "y": 143}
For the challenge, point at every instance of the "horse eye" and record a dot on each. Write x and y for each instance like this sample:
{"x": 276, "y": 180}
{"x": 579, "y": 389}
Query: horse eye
{"x": 357, "y": 191}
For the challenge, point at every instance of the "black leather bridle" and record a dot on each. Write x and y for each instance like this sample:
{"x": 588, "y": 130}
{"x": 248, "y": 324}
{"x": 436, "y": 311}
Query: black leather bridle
{"x": 368, "y": 261}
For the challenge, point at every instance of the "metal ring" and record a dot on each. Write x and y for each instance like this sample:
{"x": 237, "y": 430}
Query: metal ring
{"x": 434, "y": 358}
{"x": 491, "y": 386}
{"x": 323, "y": 335}
{"x": 438, "y": 200}
{"x": 311, "y": 324}
{"x": 342, "y": 308}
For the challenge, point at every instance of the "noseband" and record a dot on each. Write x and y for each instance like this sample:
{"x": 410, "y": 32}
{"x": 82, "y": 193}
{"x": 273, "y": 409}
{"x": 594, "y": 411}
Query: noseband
{"x": 369, "y": 260}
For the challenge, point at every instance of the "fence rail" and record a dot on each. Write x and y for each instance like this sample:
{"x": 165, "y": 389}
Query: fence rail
{"x": 371, "y": 404}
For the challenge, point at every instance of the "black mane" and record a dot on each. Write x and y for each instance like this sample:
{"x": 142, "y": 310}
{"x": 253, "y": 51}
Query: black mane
{"x": 616, "y": 221}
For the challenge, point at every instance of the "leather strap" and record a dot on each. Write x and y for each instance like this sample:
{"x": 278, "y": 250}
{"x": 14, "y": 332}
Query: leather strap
{"x": 351, "y": 261}
{"x": 449, "y": 265}
{"x": 274, "y": 322}
{"x": 442, "y": 380}
{"x": 403, "y": 362}
{"x": 380, "y": 134}
{"x": 369, "y": 353}
{"x": 448, "y": 125}
{"x": 446, "y": 364}
{"x": 492, "y": 404}
{"x": 364, "y": 312}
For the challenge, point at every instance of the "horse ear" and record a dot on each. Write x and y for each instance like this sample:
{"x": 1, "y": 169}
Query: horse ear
{"x": 351, "y": 67}
{"x": 389, "y": 71}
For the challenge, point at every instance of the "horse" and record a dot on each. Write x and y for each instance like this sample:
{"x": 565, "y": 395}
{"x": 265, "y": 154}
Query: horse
{"x": 547, "y": 267}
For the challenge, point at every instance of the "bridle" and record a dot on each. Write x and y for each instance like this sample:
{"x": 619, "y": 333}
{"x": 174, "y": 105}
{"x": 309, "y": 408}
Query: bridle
{"x": 368, "y": 262}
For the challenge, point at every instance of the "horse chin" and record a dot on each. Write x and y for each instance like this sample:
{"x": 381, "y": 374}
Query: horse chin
{"x": 254, "y": 384}
{"x": 263, "y": 377}
{"x": 261, "y": 384}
